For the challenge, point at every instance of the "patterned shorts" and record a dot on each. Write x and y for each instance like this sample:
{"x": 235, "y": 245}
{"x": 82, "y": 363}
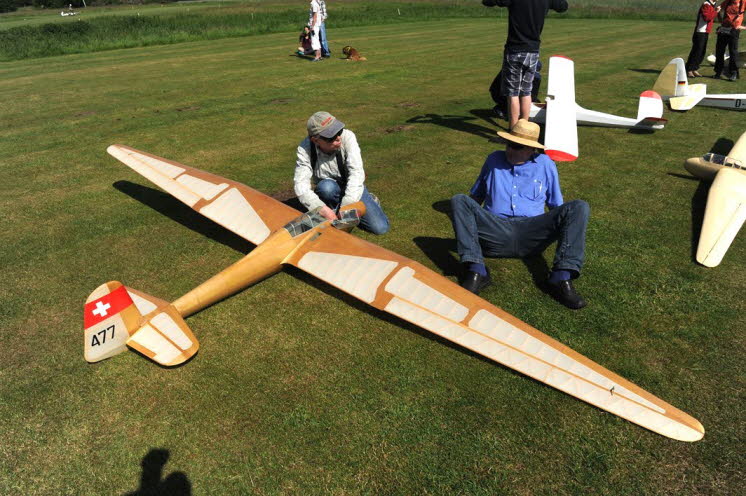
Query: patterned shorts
{"x": 519, "y": 69}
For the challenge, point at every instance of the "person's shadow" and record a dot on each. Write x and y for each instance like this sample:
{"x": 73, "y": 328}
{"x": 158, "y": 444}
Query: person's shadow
{"x": 461, "y": 123}
{"x": 152, "y": 482}
{"x": 442, "y": 252}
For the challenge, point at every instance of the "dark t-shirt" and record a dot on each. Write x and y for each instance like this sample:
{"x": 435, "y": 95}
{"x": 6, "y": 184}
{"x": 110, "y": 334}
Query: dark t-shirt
{"x": 525, "y": 21}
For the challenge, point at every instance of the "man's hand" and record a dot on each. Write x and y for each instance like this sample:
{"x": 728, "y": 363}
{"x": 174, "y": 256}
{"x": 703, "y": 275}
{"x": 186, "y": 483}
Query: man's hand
{"x": 328, "y": 213}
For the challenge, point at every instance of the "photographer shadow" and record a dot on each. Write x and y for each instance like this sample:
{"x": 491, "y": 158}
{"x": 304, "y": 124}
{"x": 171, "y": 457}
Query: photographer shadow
{"x": 152, "y": 482}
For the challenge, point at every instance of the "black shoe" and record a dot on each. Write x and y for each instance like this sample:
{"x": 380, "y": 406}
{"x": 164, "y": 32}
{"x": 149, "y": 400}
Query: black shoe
{"x": 733, "y": 77}
{"x": 565, "y": 293}
{"x": 716, "y": 76}
{"x": 476, "y": 282}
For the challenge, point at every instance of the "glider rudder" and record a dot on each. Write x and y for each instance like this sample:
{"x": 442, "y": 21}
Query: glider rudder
{"x": 116, "y": 316}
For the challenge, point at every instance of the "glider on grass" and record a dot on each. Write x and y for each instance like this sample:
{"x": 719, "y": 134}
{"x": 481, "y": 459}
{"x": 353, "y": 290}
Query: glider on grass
{"x": 117, "y": 316}
{"x": 726, "y": 201}
{"x": 726, "y": 57}
{"x": 561, "y": 114}
{"x": 673, "y": 86}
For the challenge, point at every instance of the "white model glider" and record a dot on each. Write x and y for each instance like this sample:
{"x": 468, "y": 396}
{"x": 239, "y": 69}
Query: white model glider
{"x": 726, "y": 57}
{"x": 673, "y": 86}
{"x": 117, "y": 316}
{"x": 561, "y": 113}
{"x": 726, "y": 202}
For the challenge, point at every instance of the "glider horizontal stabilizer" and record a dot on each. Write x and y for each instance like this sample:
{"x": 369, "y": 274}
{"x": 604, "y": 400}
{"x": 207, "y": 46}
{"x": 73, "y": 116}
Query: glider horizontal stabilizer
{"x": 116, "y": 316}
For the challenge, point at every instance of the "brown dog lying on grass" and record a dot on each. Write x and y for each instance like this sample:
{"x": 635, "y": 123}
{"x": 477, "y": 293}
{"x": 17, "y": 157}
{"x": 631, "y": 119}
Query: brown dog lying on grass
{"x": 352, "y": 54}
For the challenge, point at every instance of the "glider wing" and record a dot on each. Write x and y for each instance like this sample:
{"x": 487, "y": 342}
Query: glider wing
{"x": 412, "y": 292}
{"x": 561, "y": 137}
{"x": 724, "y": 215}
{"x": 240, "y": 209}
{"x": 738, "y": 152}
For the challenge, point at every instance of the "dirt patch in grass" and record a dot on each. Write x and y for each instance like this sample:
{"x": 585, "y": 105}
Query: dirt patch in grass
{"x": 398, "y": 129}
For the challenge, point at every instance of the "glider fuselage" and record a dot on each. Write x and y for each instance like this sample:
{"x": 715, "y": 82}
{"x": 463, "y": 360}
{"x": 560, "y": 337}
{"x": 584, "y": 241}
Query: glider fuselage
{"x": 585, "y": 117}
{"x": 264, "y": 260}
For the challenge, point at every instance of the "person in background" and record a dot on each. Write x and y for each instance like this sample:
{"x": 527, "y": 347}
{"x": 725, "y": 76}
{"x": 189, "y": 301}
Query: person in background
{"x": 304, "y": 42}
{"x": 702, "y": 28}
{"x": 525, "y": 24}
{"x": 314, "y": 23}
{"x": 325, "y": 52}
{"x": 731, "y": 25}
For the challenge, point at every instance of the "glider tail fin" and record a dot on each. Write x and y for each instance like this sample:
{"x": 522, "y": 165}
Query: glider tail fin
{"x": 672, "y": 79}
{"x": 116, "y": 316}
{"x": 651, "y": 105}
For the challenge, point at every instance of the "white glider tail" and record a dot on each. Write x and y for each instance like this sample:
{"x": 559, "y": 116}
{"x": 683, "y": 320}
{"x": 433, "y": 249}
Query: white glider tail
{"x": 397, "y": 285}
{"x": 562, "y": 114}
{"x": 561, "y": 135}
{"x": 672, "y": 85}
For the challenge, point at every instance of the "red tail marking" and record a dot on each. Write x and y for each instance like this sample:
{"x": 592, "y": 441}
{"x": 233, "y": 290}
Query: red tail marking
{"x": 106, "y": 306}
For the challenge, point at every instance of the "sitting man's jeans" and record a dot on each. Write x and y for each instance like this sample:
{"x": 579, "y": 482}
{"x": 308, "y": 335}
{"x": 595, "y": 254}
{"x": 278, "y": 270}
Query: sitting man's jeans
{"x": 480, "y": 233}
{"x": 374, "y": 220}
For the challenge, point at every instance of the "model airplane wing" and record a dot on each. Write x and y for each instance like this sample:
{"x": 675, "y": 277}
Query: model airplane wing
{"x": 407, "y": 289}
{"x": 724, "y": 215}
{"x": 561, "y": 136}
{"x": 240, "y": 209}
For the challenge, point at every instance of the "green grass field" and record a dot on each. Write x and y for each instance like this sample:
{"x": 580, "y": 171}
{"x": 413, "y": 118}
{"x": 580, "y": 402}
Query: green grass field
{"x": 298, "y": 388}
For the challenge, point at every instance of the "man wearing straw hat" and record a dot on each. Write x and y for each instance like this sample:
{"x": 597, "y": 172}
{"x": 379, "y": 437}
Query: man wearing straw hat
{"x": 514, "y": 186}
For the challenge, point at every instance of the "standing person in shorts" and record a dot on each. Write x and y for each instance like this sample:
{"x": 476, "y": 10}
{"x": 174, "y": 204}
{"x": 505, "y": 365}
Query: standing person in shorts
{"x": 525, "y": 23}
{"x": 314, "y": 22}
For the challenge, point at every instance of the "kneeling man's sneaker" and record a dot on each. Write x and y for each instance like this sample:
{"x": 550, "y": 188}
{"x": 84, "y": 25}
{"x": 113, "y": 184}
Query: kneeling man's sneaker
{"x": 476, "y": 282}
{"x": 565, "y": 293}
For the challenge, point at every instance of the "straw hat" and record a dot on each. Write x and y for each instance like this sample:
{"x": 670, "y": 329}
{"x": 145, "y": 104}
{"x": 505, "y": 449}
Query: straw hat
{"x": 524, "y": 133}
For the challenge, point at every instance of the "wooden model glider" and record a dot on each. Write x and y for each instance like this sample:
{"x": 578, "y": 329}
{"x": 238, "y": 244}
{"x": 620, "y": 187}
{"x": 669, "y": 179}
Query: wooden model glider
{"x": 117, "y": 316}
{"x": 673, "y": 86}
{"x": 561, "y": 114}
{"x": 726, "y": 202}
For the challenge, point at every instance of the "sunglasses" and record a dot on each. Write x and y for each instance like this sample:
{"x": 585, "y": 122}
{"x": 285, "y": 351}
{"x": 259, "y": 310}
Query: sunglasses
{"x": 516, "y": 146}
{"x": 333, "y": 138}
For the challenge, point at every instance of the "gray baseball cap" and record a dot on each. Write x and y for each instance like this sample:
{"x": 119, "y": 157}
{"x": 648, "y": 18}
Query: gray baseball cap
{"x": 324, "y": 124}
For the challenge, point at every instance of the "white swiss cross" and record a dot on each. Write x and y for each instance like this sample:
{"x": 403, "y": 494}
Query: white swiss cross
{"x": 101, "y": 309}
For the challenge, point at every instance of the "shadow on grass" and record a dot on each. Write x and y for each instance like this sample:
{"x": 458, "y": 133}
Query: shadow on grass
{"x": 698, "y": 205}
{"x": 389, "y": 318}
{"x": 458, "y": 123}
{"x": 172, "y": 208}
{"x": 152, "y": 482}
{"x": 645, "y": 71}
{"x": 722, "y": 146}
{"x": 699, "y": 202}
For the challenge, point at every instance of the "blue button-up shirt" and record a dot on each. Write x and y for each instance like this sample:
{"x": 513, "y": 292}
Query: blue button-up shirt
{"x": 509, "y": 190}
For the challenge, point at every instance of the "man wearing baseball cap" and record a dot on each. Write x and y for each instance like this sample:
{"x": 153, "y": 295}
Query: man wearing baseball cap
{"x": 514, "y": 186}
{"x": 329, "y": 158}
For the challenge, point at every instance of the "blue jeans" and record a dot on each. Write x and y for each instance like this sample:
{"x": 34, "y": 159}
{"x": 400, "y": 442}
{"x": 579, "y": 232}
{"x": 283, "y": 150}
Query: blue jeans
{"x": 374, "y": 220}
{"x": 481, "y": 233}
{"x": 324, "y": 44}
